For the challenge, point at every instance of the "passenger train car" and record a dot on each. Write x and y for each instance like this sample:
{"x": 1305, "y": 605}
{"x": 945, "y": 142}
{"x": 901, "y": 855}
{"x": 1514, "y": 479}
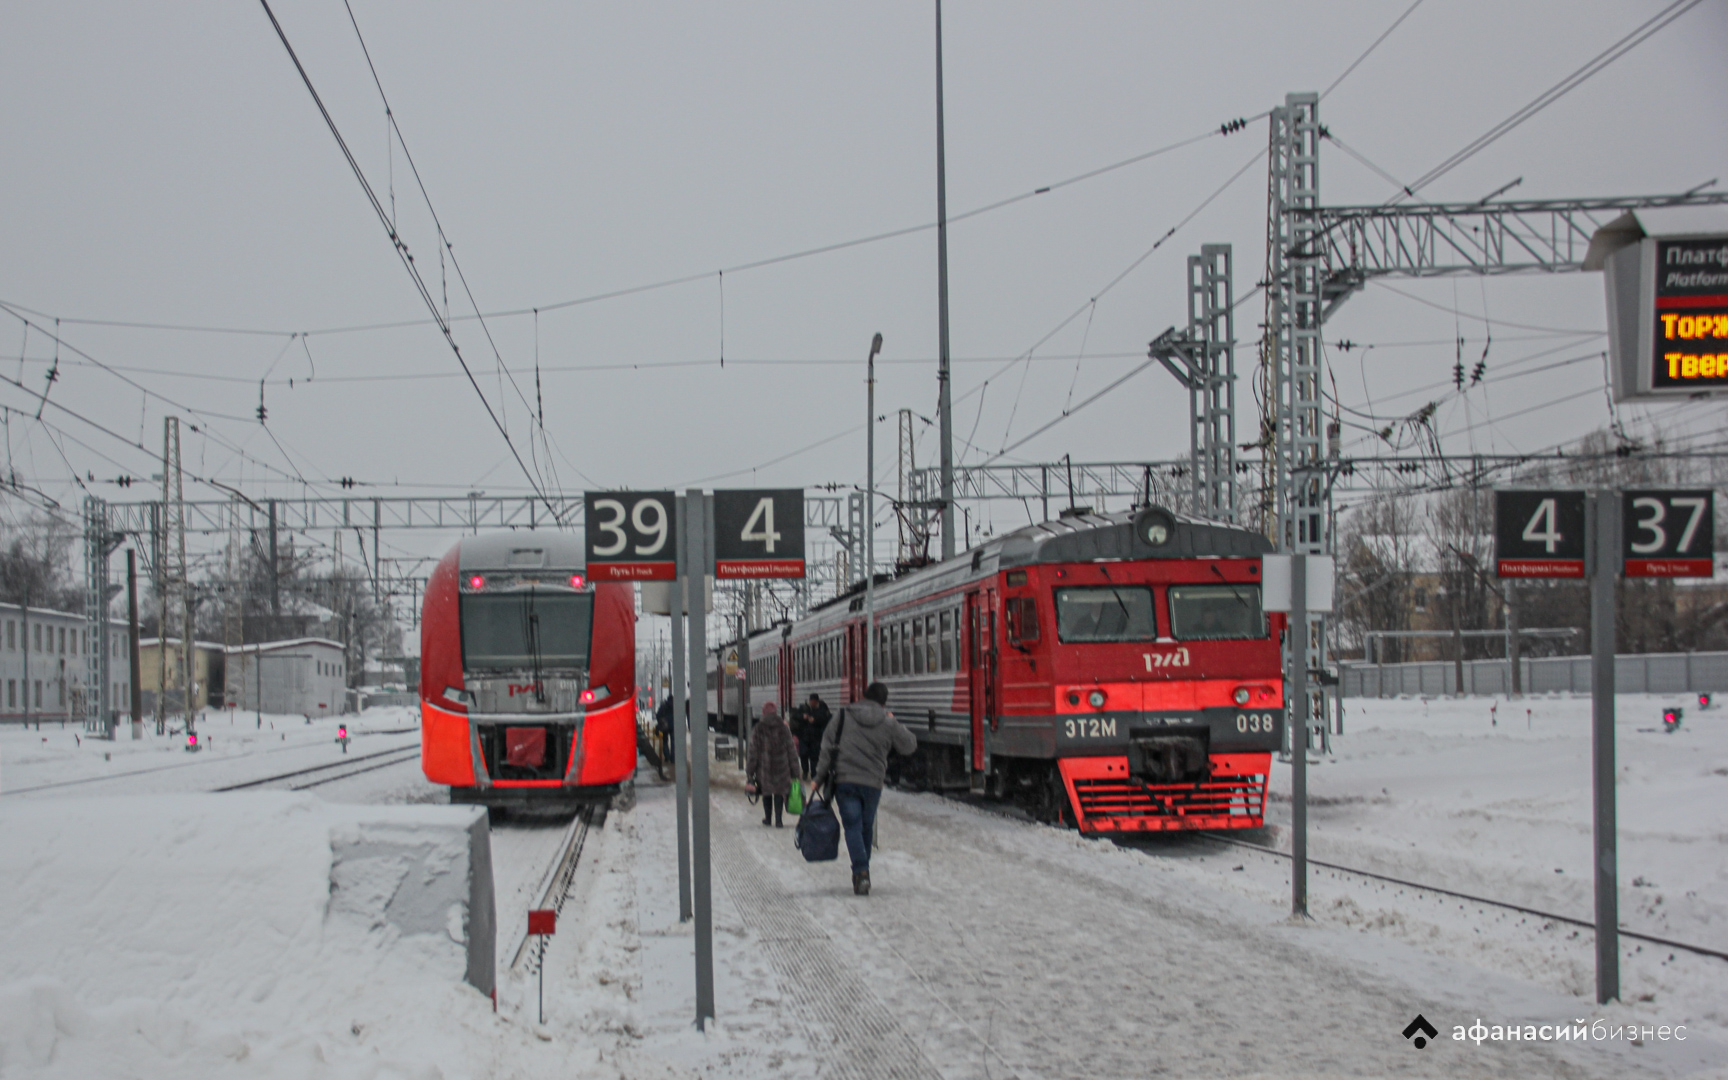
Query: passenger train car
{"x": 1112, "y": 671}
{"x": 527, "y": 674}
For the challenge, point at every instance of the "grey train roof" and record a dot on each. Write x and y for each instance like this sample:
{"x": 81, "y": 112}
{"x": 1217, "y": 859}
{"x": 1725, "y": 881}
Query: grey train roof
{"x": 1086, "y": 537}
{"x": 526, "y": 550}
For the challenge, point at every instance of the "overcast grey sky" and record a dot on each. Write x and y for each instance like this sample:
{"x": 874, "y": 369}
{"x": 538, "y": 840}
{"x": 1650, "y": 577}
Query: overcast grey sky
{"x": 163, "y": 163}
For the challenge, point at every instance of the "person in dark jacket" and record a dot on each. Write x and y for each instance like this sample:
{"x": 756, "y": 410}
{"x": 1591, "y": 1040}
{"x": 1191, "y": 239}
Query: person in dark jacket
{"x": 816, "y": 724}
{"x": 799, "y": 724}
{"x": 663, "y": 724}
{"x": 773, "y": 764}
{"x": 855, "y": 754}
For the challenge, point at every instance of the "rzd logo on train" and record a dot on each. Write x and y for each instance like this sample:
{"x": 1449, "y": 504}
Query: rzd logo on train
{"x": 525, "y": 688}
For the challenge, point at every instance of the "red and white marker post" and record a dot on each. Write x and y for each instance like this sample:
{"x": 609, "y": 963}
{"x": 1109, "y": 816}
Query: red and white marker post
{"x": 543, "y": 923}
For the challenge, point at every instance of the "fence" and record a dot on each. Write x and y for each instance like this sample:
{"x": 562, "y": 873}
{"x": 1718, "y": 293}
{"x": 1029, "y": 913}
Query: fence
{"x": 1640, "y": 673}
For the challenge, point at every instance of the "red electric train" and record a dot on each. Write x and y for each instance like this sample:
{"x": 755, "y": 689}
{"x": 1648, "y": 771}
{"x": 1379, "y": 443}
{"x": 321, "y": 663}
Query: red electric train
{"x": 1112, "y": 671}
{"x": 527, "y": 674}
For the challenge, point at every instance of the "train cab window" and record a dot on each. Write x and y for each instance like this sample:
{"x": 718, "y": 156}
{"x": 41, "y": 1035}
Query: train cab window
{"x": 522, "y": 630}
{"x": 1216, "y": 612}
{"x": 947, "y": 649}
{"x": 1105, "y": 613}
{"x": 1020, "y": 617}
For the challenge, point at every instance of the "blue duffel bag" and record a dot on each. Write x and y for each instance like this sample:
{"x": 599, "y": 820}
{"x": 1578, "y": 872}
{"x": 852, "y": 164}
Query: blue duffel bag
{"x": 818, "y": 832}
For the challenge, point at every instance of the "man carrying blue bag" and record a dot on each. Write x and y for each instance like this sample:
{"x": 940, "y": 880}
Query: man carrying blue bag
{"x": 853, "y": 763}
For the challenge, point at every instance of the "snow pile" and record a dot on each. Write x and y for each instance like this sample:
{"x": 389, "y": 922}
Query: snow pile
{"x": 189, "y": 935}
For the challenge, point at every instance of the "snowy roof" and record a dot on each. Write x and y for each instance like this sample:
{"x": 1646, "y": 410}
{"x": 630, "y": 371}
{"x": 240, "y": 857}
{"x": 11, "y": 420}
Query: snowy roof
{"x": 145, "y": 643}
{"x": 275, "y": 646}
{"x": 34, "y": 610}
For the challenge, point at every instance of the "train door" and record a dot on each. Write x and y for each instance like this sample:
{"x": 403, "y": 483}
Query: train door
{"x": 981, "y": 667}
{"x": 854, "y": 686}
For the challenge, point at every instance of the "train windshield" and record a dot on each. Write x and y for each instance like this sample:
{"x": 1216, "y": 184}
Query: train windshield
{"x": 1105, "y": 613}
{"x": 526, "y": 630}
{"x": 1216, "y": 612}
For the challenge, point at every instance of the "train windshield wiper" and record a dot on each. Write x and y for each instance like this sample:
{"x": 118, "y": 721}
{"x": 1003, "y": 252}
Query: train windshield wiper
{"x": 534, "y": 649}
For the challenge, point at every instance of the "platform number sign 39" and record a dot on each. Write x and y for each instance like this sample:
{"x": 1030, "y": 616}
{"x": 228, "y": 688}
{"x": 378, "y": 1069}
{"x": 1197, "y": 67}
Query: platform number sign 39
{"x": 629, "y": 535}
{"x": 759, "y": 533}
{"x": 1669, "y": 533}
{"x": 1539, "y": 534}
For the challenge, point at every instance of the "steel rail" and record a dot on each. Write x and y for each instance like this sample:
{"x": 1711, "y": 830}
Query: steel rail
{"x": 1589, "y": 925}
{"x": 314, "y": 768}
{"x": 555, "y": 884}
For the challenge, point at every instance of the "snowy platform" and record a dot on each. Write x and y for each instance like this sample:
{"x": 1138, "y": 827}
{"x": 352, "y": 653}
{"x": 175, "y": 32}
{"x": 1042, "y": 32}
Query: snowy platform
{"x": 200, "y": 932}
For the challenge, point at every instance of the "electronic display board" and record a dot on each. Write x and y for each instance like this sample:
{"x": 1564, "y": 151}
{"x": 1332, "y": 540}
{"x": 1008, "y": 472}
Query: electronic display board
{"x": 1667, "y": 313}
{"x": 1690, "y": 325}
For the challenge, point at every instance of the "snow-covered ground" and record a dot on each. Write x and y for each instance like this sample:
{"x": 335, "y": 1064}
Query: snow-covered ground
{"x": 991, "y": 947}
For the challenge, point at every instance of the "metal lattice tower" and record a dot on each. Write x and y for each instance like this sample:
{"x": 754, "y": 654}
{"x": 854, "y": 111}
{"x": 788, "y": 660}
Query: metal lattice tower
{"x": 1293, "y": 325}
{"x": 176, "y": 593}
{"x": 1203, "y": 359}
{"x": 233, "y": 611}
{"x": 99, "y": 543}
{"x": 914, "y": 522}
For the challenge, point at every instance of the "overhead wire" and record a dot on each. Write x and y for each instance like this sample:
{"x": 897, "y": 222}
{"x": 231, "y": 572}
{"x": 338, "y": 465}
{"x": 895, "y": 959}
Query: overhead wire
{"x": 1643, "y": 32}
{"x": 402, "y": 253}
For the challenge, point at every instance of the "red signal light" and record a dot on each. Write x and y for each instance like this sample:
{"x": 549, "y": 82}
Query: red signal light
{"x": 577, "y": 581}
{"x": 342, "y": 732}
{"x": 192, "y": 740}
{"x": 476, "y": 582}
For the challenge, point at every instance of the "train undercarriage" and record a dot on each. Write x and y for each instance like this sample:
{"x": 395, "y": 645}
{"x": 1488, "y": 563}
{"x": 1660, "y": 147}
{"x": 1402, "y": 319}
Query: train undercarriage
{"x": 1147, "y": 789}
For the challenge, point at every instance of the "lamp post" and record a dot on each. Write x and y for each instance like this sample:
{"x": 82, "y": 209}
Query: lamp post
{"x": 870, "y": 512}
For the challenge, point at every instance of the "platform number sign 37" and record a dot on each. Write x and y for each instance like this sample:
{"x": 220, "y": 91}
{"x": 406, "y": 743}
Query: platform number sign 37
{"x": 759, "y": 533}
{"x": 1539, "y": 534}
{"x": 1669, "y": 533}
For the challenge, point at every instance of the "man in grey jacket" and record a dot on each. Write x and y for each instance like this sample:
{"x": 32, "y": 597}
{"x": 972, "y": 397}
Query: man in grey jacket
{"x": 855, "y": 754}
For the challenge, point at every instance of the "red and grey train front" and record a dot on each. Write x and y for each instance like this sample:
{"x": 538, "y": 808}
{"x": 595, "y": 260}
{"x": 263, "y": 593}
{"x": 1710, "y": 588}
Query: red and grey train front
{"x": 527, "y": 674}
{"x": 1163, "y": 666}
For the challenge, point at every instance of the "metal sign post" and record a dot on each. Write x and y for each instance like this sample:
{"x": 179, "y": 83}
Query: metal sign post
{"x": 695, "y": 569}
{"x": 1603, "y": 554}
{"x": 681, "y": 714}
{"x": 1297, "y": 725}
{"x": 542, "y": 923}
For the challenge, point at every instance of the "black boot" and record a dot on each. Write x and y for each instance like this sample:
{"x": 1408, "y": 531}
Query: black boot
{"x": 861, "y": 883}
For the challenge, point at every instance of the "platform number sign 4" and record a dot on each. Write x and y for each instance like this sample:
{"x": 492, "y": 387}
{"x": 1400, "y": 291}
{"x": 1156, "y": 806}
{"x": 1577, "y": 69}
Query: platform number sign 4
{"x": 1539, "y": 534}
{"x": 629, "y": 535}
{"x": 1669, "y": 533}
{"x": 759, "y": 533}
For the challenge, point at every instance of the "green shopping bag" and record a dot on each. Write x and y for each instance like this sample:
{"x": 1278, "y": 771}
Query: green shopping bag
{"x": 795, "y": 800}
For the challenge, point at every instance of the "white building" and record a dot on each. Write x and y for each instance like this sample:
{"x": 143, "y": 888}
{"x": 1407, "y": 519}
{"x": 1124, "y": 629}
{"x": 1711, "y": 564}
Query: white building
{"x": 44, "y": 659}
{"x": 305, "y": 676}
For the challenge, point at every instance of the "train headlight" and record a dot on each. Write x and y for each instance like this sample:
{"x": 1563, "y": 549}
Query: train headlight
{"x": 577, "y": 581}
{"x": 1241, "y": 695}
{"x": 587, "y": 697}
{"x": 1095, "y": 699}
{"x": 476, "y": 582}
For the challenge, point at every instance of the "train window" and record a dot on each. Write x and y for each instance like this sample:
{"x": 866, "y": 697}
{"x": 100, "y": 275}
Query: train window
{"x": 1216, "y": 612}
{"x": 1020, "y": 616}
{"x": 906, "y": 648}
{"x": 947, "y": 632}
{"x": 522, "y": 630}
{"x": 1105, "y": 613}
{"x": 930, "y": 643}
{"x": 918, "y": 646}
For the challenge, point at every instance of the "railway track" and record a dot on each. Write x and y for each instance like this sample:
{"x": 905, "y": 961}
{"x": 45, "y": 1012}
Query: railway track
{"x": 554, "y": 886}
{"x": 195, "y": 762}
{"x": 397, "y": 756}
{"x": 1635, "y": 935}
